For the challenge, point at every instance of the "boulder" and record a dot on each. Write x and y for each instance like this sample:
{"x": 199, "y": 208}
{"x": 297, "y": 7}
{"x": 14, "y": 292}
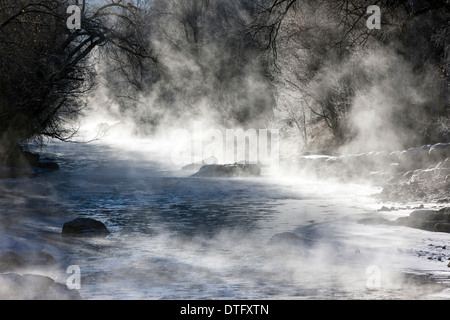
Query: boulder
{"x": 228, "y": 170}
{"x": 442, "y": 215}
{"x": 47, "y": 164}
{"x": 84, "y": 227}
{"x": 430, "y": 220}
{"x": 442, "y": 227}
{"x": 193, "y": 166}
{"x": 402, "y": 221}
{"x": 197, "y": 165}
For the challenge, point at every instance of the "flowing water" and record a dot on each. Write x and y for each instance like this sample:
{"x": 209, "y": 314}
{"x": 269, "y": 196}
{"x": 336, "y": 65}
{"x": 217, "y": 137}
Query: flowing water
{"x": 178, "y": 237}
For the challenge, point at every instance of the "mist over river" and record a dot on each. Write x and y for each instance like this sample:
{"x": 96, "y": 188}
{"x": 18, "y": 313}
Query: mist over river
{"x": 179, "y": 237}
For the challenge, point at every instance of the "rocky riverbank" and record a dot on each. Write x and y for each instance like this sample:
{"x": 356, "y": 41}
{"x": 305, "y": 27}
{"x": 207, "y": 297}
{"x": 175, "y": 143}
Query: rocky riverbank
{"x": 417, "y": 174}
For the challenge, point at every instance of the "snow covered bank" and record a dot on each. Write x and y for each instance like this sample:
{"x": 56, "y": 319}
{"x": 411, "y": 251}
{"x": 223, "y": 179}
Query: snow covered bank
{"x": 416, "y": 174}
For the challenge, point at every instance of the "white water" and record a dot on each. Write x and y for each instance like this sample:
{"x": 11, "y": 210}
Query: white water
{"x": 176, "y": 237}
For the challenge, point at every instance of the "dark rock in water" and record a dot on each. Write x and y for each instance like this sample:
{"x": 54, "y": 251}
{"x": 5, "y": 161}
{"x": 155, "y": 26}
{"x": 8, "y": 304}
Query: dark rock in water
{"x": 442, "y": 227}
{"x": 46, "y": 164}
{"x": 419, "y": 224}
{"x": 442, "y": 215}
{"x": 84, "y": 227}
{"x": 289, "y": 238}
{"x": 383, "y": 208}
{"x": 229, "y": 170}
{"x": 430, "y": 220}
{"x": 10, "y": 260}
{"x": 14, "y": 286}
{"x": 197, "y": 165}
{"x": 193, "y": 166}
{"x": 439, "y": 151}
{"x": 402, "y": 221}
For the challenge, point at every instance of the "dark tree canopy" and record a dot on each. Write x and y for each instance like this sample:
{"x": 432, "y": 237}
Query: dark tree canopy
{"x": 44, "y": 67}
{"x": 324, "y": 62}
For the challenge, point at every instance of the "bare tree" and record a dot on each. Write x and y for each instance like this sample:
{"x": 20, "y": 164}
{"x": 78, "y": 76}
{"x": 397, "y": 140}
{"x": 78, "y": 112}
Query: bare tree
{"x": 44, "y": 66}
{"x": 203, "y": 66}
{"x": 313, "y": 44}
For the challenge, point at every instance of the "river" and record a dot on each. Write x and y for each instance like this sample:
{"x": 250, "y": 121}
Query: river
{"x": 178, "y": 237}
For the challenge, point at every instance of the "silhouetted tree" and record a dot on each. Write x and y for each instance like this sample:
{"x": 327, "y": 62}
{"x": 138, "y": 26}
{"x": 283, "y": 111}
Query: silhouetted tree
{"x": 44, "y": 67}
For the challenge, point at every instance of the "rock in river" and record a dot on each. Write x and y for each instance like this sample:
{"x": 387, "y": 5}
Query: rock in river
{"x": 84, "y": 227}
{"x": 442, "y": 227}
{"x": 431, "y": 220}
{"x": 228, "y": 170}
{"x": 288, "y": 238}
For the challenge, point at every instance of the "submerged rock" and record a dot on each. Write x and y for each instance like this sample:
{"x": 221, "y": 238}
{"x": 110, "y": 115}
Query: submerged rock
{"x": 197, "y": 165}
{"x": 429, "y": 220}
{"x": 288, "y": 238}
{"x": 442, "y": 227}
{"x": 85, "y": 227}
{"x": 47, "y": 164}
{"x": 229, "y": 170}
{"x": 14, "y": 286}
{"x": 442, "y": 215}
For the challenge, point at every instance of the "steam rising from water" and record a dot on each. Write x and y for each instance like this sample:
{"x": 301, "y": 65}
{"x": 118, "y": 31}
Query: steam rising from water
{"x": 182, "y": 238}
{"x": 389, "y": 96}
{"x": 236, "y": 261}
{"x": 193, "y": 238}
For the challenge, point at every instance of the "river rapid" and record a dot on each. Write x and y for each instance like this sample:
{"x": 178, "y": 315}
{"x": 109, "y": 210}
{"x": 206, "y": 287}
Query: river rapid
{"x": 178, "y": 237}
